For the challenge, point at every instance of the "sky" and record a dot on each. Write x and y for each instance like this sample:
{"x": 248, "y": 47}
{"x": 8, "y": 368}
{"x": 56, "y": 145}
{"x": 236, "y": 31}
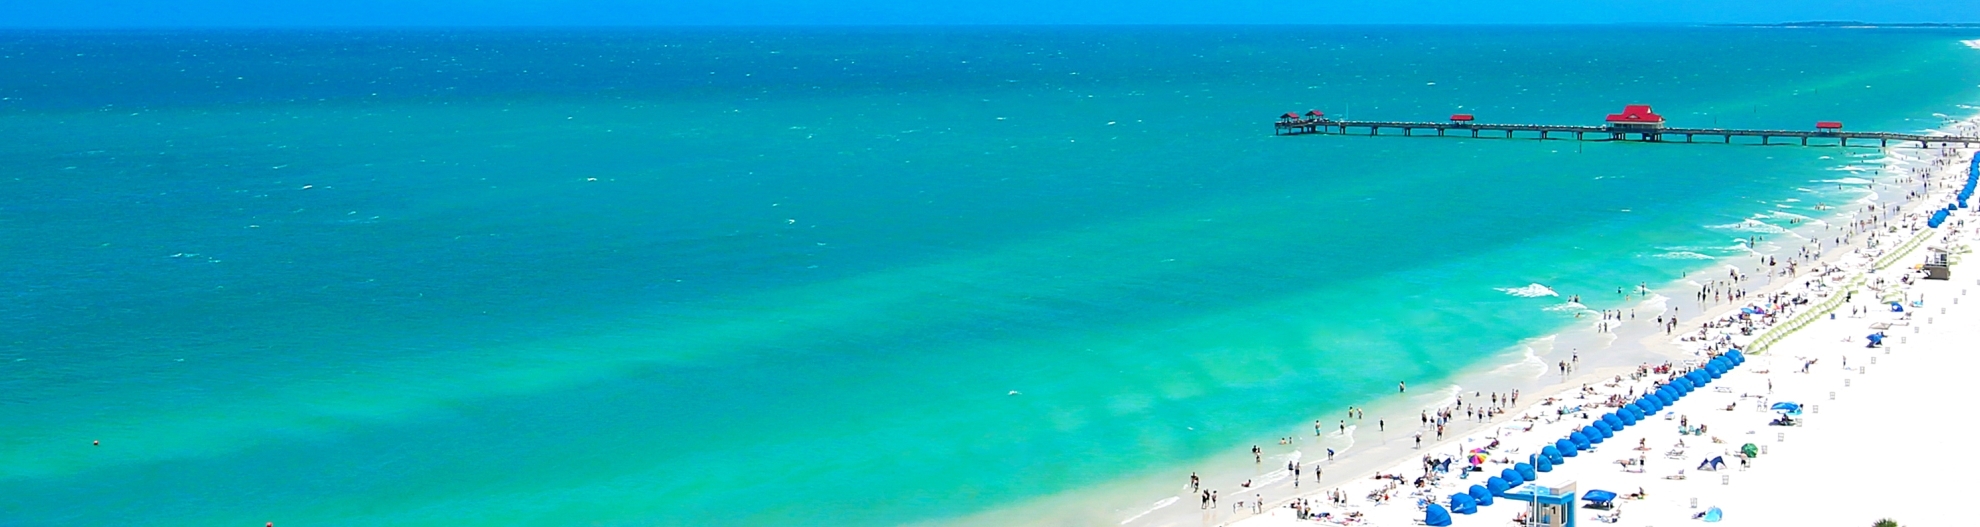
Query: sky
{"x": 360, "y": 13}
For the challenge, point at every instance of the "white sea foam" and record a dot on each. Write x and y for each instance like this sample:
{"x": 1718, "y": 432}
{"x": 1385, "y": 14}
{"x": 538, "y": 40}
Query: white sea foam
{"x": 1845, "y": 181}
{"x": 1165, "y": 502}
{"x": 1686, "y": 255}
{"x": 1753, "y": 226}
{"x": 1568, "y": 306}
{"x": 1530, "y": 291}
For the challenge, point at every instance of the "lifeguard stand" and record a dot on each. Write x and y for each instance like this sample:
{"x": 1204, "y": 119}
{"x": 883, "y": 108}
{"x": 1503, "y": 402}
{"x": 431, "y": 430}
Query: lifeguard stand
{"x": 1552, "y": 504}
{"x": 1936, "y": 266}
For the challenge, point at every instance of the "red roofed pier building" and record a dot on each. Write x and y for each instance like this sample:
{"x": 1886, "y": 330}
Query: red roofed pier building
{"x": 1636, "y": 117}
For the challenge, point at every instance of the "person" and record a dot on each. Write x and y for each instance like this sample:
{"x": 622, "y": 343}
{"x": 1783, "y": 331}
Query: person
{"x": 1330, "y": 454}
{"x": 1401, "y": 387}
{"x": 1419, "y": 440}
{"x": 1194, "y": 482}
{"x": 1257, "y": 455}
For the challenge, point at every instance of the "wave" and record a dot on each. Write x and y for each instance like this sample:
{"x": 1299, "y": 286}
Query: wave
{"x": 1686, "y": 255}
{"x": 1530, "y": 291}
{"x": 1568, "y": 306}
{"x": 1845, "y": 181}
{"x": 1753, "y": 226}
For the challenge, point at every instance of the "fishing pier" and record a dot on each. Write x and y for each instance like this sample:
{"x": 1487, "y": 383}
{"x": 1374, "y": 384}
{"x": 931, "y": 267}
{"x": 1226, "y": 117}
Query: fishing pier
{"x": 1636, "y": 123}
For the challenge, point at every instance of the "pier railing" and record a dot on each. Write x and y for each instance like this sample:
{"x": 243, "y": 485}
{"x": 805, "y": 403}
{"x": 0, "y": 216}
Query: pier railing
{"x": 1326, "y": 126}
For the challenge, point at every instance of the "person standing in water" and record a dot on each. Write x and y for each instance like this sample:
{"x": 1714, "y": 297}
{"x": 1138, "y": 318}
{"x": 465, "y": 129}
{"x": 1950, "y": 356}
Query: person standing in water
{"x": 1401, "y": 387}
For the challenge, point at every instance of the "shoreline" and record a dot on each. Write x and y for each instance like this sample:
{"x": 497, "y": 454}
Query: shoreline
{"x": 1865, "y": 248}
{"x": 1612, "y": 354}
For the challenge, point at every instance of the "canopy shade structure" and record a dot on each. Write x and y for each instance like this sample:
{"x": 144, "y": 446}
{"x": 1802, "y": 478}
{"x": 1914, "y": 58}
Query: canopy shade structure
{"x": 1553, "y": 452}
{"x": 1543, "y": 463}
{"x": 1567, "y": 448}
{"x": 1462, "y": 503}
{"x": 1596, "y": 435}
{"x": 1599, "y": 496}
{"x": 1525, "y": 470}
{"x": 1436, "y": 516}
{"x": 1580, "y": 440}
{"x": 1512, "y": 477}
{"x": 1478, "y": 492}
{"x": 1497, "y": 485}
{"x": 1615, "y": 421}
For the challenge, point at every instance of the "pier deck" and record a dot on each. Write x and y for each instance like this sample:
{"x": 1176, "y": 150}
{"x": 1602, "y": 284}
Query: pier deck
{"x": 1609, "y": 133}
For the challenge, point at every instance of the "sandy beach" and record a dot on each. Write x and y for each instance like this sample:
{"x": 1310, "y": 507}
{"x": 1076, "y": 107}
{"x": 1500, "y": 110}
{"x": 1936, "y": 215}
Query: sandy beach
{"x": 1849, "y": 393}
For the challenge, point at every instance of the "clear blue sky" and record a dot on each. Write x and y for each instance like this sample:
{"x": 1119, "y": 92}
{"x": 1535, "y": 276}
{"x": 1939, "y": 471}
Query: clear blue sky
{"x": 288, "y": 13}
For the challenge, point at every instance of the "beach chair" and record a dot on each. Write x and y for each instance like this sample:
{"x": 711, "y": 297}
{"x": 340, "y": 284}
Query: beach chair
{"x": 1678, "y": 476}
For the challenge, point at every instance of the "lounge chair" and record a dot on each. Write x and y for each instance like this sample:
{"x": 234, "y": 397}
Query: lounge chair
{"x": 1677, "y": 476}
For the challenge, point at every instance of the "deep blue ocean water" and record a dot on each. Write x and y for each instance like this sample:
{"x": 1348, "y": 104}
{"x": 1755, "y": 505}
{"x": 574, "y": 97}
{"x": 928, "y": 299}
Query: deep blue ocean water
{"x": 789, "y": 276}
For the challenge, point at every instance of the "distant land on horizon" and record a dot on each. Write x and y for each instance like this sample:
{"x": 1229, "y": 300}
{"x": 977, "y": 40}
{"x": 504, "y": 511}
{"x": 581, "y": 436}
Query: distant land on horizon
{"x": 1855, "y": 24}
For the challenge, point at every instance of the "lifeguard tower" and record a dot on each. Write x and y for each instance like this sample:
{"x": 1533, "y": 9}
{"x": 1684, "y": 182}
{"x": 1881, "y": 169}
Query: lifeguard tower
{"x": 1549, "y": 504}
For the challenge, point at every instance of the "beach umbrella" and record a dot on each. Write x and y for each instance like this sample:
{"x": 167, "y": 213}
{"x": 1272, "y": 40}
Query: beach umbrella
{"x": 1699, "y": 377}
{"x": 1512, "y": 477}
{"x": 1615, "y": 421}
{"x": 1436, "y": 516}
{"x": 1784, "y": 406}
{"x": 1628, "y": 416}
{"x": 1543, "y": 463}
{"x": 1599, "y": 496}
{"x": 1749, "y": 450}
{"x": 1477, "y": 458}
{"x": 1665, "y": 398}
{"x": 1602, "y": 428}
{"x": 1580, "y": 440}
{"x": 1713, "y": 515}
{"x": 1462, "y": 503}
{"x": 1566, "y": 449}
{"x": 1497, "y": 485}
{"x": 1480, "y": 494}
{"x": 1595, "y": 435}
{"x": 1552, "y": 453}
{"x": 1715, "y": 373}
{"x": 1525, "y": 470}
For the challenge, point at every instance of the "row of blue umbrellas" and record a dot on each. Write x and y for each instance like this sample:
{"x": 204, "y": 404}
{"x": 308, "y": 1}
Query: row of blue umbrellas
{"x": 1602, "y": 428}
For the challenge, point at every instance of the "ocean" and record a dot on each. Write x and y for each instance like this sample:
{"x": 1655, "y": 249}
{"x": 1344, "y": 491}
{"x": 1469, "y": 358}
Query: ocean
{"x": 831, "y": 276}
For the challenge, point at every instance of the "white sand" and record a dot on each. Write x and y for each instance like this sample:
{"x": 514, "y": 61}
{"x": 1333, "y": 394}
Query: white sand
{"x": 1885, "y": 445}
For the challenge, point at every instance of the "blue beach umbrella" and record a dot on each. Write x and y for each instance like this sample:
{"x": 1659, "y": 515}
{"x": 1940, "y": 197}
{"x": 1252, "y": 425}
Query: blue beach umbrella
{"x": 1462, "y": 503}
{"x": 1497, "y": 485}
{"x": 1580, "y": 440}
{"x": 1716, "y": 372}
{"x": 1615, "y": 421}
{"x": 1543, "y": 463}
{"x": 1436, "y": 516}
{"x": 1512, "y": 477}
{"x": 1629, "y": 415}
{"x": 1593, "y": 434}
{"x": 1603, "y": 428}
{"x": 1525, "y": 470}
{"x": 1481, "y": 495}
{"x": 1553, "y": 452}
{"x": 1566, "y": 449}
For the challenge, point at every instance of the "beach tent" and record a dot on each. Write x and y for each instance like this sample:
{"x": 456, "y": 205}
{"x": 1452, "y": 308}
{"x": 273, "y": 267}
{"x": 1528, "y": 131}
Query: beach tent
{"x": 1665, "y": 398}
{"x": 1543, "y": 463}
{"x": 1615, "y": 421}
{"x": 1462, "y": 503}
{"x": 1712, "y": 515}
{"x": 1599, "y": 497}
{"x": 1784, "y": 406}
{"x": 1478, "y": 492}
{"x": 1738, "y": 358}
{"x": 1525, "y": 470}
{"x": 1436, "y": 516}
{"x": 1512, "y": 477}
{"x": 1627, "y": 415}
{"x": 1596, "y": 434}
{"x": 1497, "y": 485}
{"x": 1580, "y": 440}
{"x": 1552, "y": 452}
{"x": 1749, "y": 450}
{"x": 1566, "y": 448}
{"x": 1698, "y": 377}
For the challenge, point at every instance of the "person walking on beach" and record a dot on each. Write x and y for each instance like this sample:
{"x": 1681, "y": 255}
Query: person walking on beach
{"x": 1257, "y": 455}
{"x": 1194, "y": 482}
{"x": 1381, "y": 425}
{"x": 1330, "y": 454}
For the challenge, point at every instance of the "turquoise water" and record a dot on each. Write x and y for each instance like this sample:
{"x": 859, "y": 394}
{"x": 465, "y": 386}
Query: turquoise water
{"x": 789, "y": 276}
